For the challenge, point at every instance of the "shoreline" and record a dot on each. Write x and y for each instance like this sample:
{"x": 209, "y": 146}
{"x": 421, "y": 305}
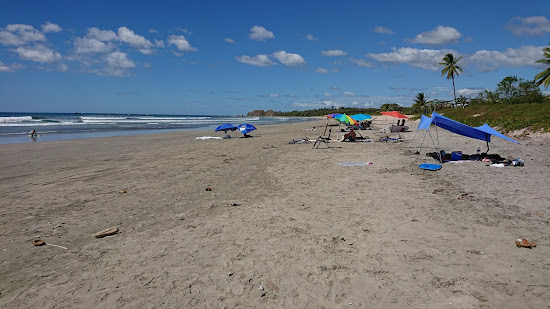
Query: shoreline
{"x": 281, "y": 216}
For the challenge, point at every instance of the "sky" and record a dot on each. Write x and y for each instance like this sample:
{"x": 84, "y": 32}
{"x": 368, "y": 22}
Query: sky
{"x": 232, "y": 57}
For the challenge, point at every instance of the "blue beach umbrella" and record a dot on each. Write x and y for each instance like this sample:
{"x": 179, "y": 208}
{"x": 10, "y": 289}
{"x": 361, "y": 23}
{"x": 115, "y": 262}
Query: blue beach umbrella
{"x": 226, "y": 127}
{"x": 246, "y": 128}
{"x": 361, "y": 117}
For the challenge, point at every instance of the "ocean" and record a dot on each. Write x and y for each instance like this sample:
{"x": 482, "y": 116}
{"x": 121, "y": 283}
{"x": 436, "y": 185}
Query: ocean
{"x": 16, "y": 127}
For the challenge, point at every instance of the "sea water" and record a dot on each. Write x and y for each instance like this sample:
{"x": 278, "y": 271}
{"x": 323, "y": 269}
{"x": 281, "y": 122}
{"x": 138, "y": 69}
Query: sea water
{"x": 16, "y": 127}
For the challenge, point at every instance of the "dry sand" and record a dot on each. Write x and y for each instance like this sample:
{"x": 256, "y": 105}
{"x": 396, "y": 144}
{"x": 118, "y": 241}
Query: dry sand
{"x": 284, "y": 226}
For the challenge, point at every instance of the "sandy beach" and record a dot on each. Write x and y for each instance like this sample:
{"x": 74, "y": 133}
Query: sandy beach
{"x": 284, "y": 226}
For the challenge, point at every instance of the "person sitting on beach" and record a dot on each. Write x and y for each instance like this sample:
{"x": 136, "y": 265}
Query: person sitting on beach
{"x": 349, "y": 136}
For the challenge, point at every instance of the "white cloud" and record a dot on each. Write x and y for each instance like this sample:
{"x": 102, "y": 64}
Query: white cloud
{"x": 333, "y": 53}
{"x": 159, "y": 43}
{"x": 321, "y": 71}
{"x": 17, "y": 34}
{"x": 137, "y": 41}
{"x": 383, "y": 30}
{"x": 427, "y": 59}
{"x": 101, "y": 35}
{"x": 4, "y": 68}
{"x": 535, "y": 25}
{"x": 327, "y": 94}
{"x": 181, "y": 43}
{"x": 491, "y": 60}
{"x": 49, "y": 27}
{"x": 89, "y": 45}
{"x": 466, "y": 92}
{"x": 274, "y": 95}
{"x": 153, "y": 31}
{"x": 38, "y": 53}
{"x": 229, "y": 40}
{"x": 438, "y": 36}
{"x": 258, "y": 60}
{"x": 362, "y": 63}
{"x": 288, "y": 58}
{"x": 310, "y": 37}
{"x": 349, "y": 94}
{"x": 119, "y": 60}
{"x": 258, "y": 33}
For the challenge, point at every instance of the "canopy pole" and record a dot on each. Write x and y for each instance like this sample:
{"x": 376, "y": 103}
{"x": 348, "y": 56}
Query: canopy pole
{"x": 436, "y": 148}
{"x": 487, "y": 140}
{"x": 427, "y": 131}
{"x": 436, "y": 134}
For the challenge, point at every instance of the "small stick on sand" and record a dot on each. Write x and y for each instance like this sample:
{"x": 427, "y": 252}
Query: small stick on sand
{"x": 106, "y": 232}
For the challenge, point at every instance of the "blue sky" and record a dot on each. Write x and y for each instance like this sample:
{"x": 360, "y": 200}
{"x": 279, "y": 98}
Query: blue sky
{"x": 232, "y": 57}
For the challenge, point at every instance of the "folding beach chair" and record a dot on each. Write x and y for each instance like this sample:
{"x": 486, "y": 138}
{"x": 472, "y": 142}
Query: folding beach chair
{"x": 323, "y": 140}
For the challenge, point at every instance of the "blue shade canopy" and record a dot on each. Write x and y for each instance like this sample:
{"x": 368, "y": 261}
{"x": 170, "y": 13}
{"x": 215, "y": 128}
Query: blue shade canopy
{"x": 425, "y": 123}
{"x": 483, "y": 132}
{"x": 246, "y": 128}
{"x": 361, "y": 117}
{"x": 226, "y": 127}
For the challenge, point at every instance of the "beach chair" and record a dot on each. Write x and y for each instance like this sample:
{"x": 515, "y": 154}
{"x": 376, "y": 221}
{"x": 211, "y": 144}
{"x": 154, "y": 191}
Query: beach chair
{"x": 323, "y": 140}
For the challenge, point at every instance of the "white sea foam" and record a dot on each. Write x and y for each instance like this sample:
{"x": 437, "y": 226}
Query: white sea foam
{"x": 15, "y": 119}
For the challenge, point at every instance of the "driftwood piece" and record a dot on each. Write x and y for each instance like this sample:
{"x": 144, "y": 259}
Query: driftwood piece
{"x": 106, "y": 232}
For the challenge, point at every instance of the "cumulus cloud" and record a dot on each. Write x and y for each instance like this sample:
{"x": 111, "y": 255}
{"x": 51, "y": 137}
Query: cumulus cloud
{"x": 137, "y": 41}
{"x": 383, "y": 30}
{"x": 95, "y": 41}
{"x": 181, "y": 43}
{"x": 38, "y": 53}
{"x": 258, "y": 33}
{"x": 18, "y": 34}
{"x": 333, "y": 53}
{"x": 535, "y": 25}
{"x": 321, "y": 71}
{"x": 288, "y": 58}
{"x": 491, "y": 60}
{"x": 4, "y": 68}
{"x": 362, "y": 63}
{"x": 49, "y": 27}
{"x": 438, "y": 36}
{"x": 89, "y": 45}
{"x": 229, "y": 40}
{"x": 101, "y": 35}
{"x": 119, "y": 60}
{"x": 427, "y": 59}
{"x": 310, "y": 37}
{"x": 159, "y": 43}
{"x": 258, "y": 60}
{"x": 467, "y": 92}
{"x": 349, "y": 94}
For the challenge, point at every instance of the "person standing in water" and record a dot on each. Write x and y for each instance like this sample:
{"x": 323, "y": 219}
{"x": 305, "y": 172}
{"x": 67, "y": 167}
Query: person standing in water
{"x": 33, "y": 135}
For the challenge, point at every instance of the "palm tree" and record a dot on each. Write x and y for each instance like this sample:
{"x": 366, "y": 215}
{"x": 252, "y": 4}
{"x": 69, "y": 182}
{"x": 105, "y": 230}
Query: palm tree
{"x": 451, "y": 69}
{"x": 544, "y": 76}
{"x": 420, "y": 101}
